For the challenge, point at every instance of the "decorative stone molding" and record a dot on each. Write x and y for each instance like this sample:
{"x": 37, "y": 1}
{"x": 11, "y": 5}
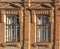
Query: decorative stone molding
{"x": 10, "y": 44}
{"x": 46, "y": 45}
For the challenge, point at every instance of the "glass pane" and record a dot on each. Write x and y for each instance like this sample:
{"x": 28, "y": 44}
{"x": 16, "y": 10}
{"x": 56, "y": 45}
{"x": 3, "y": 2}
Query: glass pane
{"x": 13, "y": 33}
{"x": 38, "y": 34}
{"x": 8, "y": 33}
{"x": 43, "y": 33}
{"x": 45, "y": 20}
{"x": 13, "y": 37}
{"x": 38, "y": 20}
{"x": 17, "y": 20}
{"x": 48, "y": 34}
{"x": 8, "y": 20}
{"x": 13, "y": 20}
{"x": 17, "y": 33}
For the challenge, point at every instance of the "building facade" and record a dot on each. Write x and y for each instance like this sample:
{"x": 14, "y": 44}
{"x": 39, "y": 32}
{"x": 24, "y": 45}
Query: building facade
{"x": 29, "y": 24}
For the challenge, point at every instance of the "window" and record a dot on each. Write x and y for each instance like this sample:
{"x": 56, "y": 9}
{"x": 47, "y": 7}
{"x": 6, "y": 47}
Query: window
{"x": 12, "y": 28}
{"x": 43, "y": 28}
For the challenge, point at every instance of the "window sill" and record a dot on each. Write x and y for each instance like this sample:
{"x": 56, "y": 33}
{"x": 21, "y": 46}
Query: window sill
{"x": 17, "y": 44}
{"x": 41, "y": 44}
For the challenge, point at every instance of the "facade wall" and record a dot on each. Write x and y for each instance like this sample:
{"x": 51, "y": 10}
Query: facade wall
{"x": 27, "y": 12}
{"x": 57, "y": 26}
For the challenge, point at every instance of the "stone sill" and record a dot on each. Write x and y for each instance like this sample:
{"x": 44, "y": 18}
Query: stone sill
{"x": 47, "y": 44}
{"x": 16, "y": 44}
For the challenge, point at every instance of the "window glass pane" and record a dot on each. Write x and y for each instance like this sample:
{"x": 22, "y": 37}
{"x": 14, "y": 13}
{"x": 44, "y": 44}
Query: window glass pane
{"x": 45, "y": 20}
{"x": 43, "y": 33}
{"x": 18, "y": 35}
{"x": 8, "y": 33}
{"x": 13, "y": 35}
{"x": 48, "y": 33}
{"x": 17, "y": 20}
{"x": 8, "y": 20}
{"x": 38, "y": 20}
{"x": 13, "y": 20}
{"x": 38, "y": 33}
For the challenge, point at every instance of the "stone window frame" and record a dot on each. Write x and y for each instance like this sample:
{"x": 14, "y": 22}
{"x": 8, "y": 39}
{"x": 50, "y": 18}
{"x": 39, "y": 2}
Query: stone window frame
{"x": 51, "y": 15}
{"x": 19, "y": 12}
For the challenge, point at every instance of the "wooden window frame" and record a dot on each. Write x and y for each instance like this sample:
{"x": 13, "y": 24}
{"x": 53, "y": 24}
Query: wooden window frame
{"x": 42, "y": 43}
{"x": 15, "y": 16}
